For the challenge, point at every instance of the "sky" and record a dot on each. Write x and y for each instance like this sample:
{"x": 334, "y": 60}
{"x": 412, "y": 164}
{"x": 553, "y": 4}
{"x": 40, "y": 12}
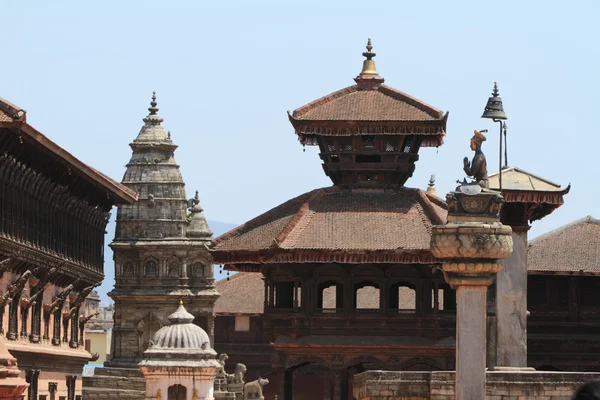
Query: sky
{"x": 226, "y": 72}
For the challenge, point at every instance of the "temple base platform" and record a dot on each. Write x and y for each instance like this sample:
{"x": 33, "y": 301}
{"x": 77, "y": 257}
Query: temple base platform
{"x": 439, "y": 385}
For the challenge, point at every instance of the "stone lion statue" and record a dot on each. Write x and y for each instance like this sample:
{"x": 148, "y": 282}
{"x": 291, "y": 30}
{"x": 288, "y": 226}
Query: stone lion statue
{"x": 238, "y": 374}
{"x": 254, "y": 390}
{"x": 221, "y": 369}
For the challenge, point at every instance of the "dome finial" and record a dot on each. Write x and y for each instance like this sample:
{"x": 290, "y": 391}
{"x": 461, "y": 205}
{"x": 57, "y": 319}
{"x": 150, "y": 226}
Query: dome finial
{"x": 368, "y": 77}
{"x": 180, "y": 302}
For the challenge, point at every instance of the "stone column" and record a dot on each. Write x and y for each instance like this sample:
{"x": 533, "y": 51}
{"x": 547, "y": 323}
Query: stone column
{"x": 470, "y": 336}
{"x": 511, "y": 306}
{"x": 468, "y": 246}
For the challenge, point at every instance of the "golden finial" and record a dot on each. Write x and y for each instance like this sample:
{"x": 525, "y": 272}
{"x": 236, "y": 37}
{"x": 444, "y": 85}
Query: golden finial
{"x": 368, "y": 77}
{"x": 180, "y": 302}
{"x": 369, "y": 54}
{"x": 431, "y": 186}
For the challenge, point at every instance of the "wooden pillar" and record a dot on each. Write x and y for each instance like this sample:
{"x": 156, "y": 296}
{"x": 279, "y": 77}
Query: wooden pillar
{"x": 383, "y": 297}
{"x": 266, "y": 300}
{"x": 436, "y": 297}
{"x": 2, "y": 308}
{"x": 281, "y": 385}
{"x": 71, "y": 380}
{"x": 74, "y": 342}
{"x": 52, "y": 389}
{"x": 573, "y": 299}
{"x": 13, "y": 317}
{"x": 46, "y": 325}
{"x": 271, "y": 294}
{"x": 295, "y": 295}
{"x": 24, "y": 318}
{"x": 36, "y": 319}
{"x": 65, "y": 321}
{"x": 56, "y": 330}
{"x": 288, "y": 384}
{"x": 31, "y": 377}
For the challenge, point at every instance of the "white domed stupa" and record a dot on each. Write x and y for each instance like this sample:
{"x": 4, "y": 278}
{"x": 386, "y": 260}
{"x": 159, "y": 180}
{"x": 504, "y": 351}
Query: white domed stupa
{"x": 180, "y": 363}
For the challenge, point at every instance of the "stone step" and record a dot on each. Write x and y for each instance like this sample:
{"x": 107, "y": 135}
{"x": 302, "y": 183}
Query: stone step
{"x": 108, "y": 383}
{"x": 119, "y": 372}
{"x": 100, "y": 394}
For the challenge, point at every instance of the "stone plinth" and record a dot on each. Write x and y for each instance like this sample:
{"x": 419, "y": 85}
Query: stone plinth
{"x": 440, "y": 385}
{"x": 12, "y": 386}
{"x": 469, "y": 246}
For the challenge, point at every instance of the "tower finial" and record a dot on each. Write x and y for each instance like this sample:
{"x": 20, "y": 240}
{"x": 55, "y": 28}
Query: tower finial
{"x": 152, "y": 118}
{"x": 368, "y": 77}
{"x": 495, "y": 92}
{"x": 431, "y": 186}
{"x": 153, "y": 109}
{"x": 369, "y": 54}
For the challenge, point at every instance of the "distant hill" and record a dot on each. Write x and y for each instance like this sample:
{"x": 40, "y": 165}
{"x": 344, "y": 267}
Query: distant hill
{"x": 217, "y": 227}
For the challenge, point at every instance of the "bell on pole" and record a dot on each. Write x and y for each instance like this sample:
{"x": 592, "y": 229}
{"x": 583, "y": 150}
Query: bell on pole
{"x": 493, "y": 109}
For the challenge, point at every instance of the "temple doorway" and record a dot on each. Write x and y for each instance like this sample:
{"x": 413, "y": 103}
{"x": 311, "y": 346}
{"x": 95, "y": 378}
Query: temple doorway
{"x": 309, "y": 382}
{"x": 177, "y": 392}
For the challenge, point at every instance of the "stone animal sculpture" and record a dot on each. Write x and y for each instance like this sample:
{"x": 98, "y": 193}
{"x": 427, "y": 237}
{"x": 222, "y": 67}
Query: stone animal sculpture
{"x": 223, "y": 357}
{"x": 238, "y": 374}
{"x": 254, "y": 390}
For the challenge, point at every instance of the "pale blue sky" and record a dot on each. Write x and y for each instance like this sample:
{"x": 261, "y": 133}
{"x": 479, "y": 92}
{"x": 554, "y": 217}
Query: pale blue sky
{"x": 226, "y": 73}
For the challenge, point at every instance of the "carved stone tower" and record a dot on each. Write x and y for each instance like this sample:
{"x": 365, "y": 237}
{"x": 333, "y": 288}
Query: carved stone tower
{"x": 160, "y": 248}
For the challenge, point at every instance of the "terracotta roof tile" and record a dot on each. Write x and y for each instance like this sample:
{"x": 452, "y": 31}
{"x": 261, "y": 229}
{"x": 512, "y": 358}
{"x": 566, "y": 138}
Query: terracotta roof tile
{"x": 382, "y": 104}
{"x": 243, "y": 293}
{"x": 574, "y": 247}
{"x": 10, "y": 112}
{"x": 332, "y": 219}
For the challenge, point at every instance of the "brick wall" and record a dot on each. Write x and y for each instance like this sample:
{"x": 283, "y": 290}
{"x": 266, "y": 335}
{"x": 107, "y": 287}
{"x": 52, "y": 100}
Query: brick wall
{"x": 501, "y": 385}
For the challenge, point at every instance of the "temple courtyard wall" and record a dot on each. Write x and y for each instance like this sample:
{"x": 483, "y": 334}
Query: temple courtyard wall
{"x": 439, "y": 385}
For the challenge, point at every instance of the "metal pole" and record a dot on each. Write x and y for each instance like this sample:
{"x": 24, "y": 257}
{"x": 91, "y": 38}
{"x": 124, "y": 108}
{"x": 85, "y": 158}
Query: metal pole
{"x": 505, "y": 148}
{"x": 500, "y": 157}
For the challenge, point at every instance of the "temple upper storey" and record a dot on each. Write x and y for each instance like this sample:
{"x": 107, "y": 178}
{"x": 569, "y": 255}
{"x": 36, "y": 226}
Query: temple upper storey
{"x": 162, "y": 208}
{"x": 369, "y": 134}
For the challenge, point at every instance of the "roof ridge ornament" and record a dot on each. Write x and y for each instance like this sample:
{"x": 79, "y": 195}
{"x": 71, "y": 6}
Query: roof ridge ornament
{"x": 368, "y": 77}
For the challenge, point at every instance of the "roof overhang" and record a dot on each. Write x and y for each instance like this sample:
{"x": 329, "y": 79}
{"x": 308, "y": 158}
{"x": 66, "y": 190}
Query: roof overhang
{"x": 120, "y": 193}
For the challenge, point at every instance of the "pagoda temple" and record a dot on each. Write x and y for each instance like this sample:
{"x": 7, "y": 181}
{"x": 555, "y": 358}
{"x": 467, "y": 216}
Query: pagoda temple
{"x": 323, "y": 253}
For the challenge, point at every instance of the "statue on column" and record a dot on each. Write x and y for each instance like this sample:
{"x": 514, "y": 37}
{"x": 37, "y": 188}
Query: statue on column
{"x": 477, "y": 168}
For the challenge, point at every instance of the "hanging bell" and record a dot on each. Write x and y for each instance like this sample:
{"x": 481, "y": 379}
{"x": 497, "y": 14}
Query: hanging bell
{"x": 493, "y": 109}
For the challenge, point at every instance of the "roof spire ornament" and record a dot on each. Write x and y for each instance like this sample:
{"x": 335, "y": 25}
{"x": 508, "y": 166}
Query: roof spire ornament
{"x": 153, "y": 118}
{"x": 431, "y": 186}
{"x": 368, "y": 77}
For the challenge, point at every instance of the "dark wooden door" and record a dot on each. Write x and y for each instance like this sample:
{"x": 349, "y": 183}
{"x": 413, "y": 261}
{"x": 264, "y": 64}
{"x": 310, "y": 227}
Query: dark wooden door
{"x": 177, "y": 392}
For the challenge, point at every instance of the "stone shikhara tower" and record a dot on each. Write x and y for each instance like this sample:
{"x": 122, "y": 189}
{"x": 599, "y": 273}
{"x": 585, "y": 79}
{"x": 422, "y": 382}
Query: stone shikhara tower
{"x": 160, "y": 248}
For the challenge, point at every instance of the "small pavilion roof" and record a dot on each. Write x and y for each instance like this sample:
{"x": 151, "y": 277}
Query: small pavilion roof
{"x": 336, "y": 225}
{"x": 369, "y": 107}
{"x": 15, "y": 118}
{"x": 519, "y": 186}
{"x": 571, "y": 249}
